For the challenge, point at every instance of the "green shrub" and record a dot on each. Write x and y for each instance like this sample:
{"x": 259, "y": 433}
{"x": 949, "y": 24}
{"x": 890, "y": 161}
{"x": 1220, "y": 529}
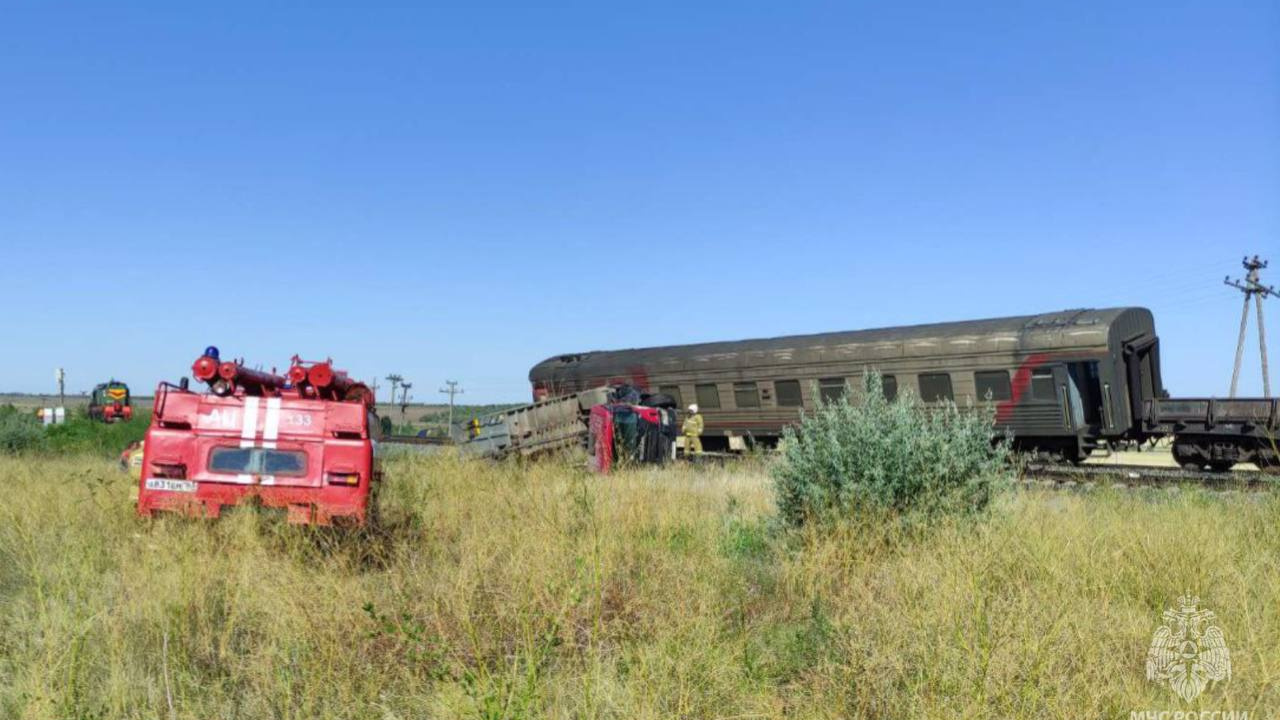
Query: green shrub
{"x": 19, "y": 431}
{"x": 897, "y": 456}
{"x": 79, "y": 434}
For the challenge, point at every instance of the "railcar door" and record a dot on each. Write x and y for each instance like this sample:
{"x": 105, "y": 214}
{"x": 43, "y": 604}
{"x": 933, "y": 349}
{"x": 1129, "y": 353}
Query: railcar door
{"x": 1142, "y": 368}
{"x": 1068, "y": 399}
{"x": 1085, "y": 393}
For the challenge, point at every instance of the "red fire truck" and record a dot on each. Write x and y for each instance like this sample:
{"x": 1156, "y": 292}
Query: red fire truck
{"x": 300, "y": 442}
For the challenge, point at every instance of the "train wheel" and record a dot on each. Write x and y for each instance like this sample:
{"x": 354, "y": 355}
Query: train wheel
{"x": 1221, "y": 466}
{"x": 1048, "y": 456}
{"x": 1188, "y": 457}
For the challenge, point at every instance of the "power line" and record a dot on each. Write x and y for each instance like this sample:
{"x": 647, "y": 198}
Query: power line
{"x": 1253, "y": 289}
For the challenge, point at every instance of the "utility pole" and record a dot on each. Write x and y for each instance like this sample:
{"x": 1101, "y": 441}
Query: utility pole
{"x": 452, "y": 390}
{"x": 1254, "y": 290}
{"x": 62, "y": 395}
{"x": 394, "y": 379}
{"x": 404, "y": 400}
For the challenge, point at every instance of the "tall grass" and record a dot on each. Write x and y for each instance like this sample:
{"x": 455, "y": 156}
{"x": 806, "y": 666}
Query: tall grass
{"x": 80, "y": 434}
{"x": 22, "y": 433}
{"x": 497, "y": 591}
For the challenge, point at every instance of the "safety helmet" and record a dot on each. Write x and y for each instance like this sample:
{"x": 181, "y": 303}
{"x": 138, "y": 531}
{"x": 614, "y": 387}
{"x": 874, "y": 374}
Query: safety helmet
{"x": 693, "y": 408}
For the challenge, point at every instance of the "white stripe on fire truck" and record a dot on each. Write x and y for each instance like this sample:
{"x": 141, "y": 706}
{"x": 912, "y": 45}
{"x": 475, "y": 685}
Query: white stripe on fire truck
{"x": 271, "y": 431}
{"x": 249, "y": 430}
{"x": 271, "y": 426}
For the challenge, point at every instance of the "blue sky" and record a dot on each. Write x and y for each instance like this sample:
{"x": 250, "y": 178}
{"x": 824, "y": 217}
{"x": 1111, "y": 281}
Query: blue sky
{"x": 458, "y": 191}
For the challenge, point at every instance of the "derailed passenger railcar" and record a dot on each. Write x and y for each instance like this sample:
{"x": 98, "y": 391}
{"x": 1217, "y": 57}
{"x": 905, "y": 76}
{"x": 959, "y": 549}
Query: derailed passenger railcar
{"x": 1064, "y": 383}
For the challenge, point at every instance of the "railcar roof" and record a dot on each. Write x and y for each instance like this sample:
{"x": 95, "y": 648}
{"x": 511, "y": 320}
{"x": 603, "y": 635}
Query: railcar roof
{"x": 1026, "y": 328}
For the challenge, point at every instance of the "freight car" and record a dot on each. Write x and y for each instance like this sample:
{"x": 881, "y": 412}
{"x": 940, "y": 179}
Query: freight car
{"x": 1217, "y": 433}
{"x": 1064, "y": 383}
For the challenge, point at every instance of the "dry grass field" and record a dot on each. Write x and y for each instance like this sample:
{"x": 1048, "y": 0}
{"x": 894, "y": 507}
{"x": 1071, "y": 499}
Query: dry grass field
{"x": 502, "y": 591}
{"x": 30, "y": 403}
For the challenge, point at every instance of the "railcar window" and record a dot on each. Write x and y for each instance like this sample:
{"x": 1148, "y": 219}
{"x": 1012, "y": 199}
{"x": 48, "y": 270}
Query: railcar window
{"x": 1042, "y": 385}
{"x": 788, "y": 393}
{"x": 889, "y": 384}
{"x": 708, "y": 396}
{"x": 746, "y": 395}
{"x": 992, "y": 385}
{"x": 673, "y": 391}
{"x": 832, "y": 389}
{"x": 935, "y": 387}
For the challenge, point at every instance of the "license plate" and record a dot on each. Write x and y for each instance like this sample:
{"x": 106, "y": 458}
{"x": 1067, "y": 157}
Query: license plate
{"x": 171, "y": 485}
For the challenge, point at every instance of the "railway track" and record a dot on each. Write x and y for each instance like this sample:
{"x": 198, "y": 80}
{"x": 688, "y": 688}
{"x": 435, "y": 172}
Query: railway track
{"x": 1089, "y": 477}
{"x": 1129, "y": 476}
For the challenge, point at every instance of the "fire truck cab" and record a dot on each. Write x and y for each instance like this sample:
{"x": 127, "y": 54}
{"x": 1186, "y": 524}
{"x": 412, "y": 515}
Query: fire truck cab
{"x": 283, "y": 445}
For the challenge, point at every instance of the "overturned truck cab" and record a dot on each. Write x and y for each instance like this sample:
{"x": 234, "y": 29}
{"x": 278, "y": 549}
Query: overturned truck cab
{"x": 629, "y": 434}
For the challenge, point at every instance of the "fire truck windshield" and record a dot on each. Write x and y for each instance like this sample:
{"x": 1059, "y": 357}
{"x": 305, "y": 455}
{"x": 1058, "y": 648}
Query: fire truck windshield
{"x": 257, "y": 461}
